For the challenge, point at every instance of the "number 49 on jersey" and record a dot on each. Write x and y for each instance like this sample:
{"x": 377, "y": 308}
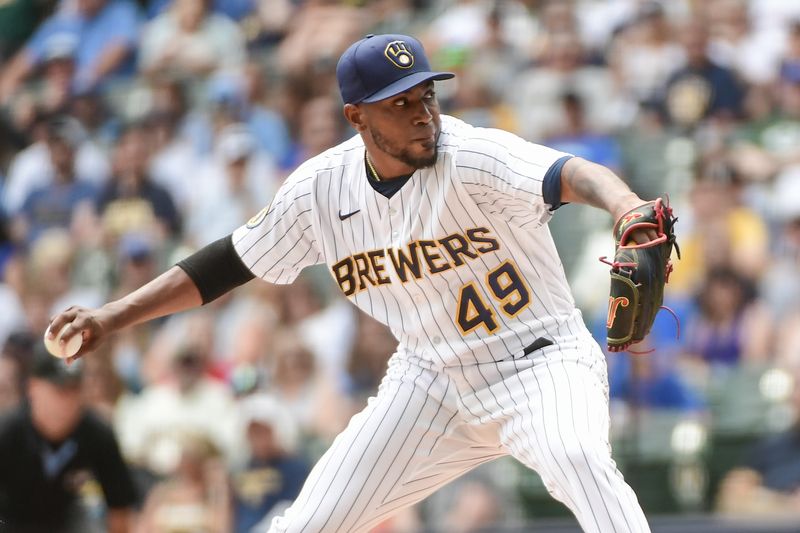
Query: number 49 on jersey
{"x": 506, "y": 286}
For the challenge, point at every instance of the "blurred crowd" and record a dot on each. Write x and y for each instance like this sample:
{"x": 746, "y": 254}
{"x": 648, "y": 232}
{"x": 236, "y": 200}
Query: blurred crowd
{"x": 134, "y": 132}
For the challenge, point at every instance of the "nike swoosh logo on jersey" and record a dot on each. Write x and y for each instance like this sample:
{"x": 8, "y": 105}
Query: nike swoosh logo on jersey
{"x": 348, "y": 215}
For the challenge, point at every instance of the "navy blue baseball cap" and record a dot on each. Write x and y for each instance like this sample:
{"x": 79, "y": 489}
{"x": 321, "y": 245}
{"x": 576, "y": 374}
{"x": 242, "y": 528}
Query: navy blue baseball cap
{"x": 380, "y": 66}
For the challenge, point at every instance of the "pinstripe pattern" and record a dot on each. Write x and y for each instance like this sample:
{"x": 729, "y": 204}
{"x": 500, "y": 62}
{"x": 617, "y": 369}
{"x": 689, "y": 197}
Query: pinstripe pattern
{"x": 450, "y": 400}
{"x": 348, "y": 491}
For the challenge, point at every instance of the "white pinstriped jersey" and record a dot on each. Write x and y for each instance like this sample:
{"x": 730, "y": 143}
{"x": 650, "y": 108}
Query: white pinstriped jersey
{"x": 459, "y": 263}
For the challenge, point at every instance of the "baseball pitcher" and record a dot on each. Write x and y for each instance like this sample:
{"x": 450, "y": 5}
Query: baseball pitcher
{"x": 439, "y": 230}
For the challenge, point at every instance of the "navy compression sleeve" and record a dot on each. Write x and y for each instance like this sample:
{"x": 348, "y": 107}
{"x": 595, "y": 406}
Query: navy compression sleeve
{"x": 216, "y": 269}
{"x": 551, "y": 187}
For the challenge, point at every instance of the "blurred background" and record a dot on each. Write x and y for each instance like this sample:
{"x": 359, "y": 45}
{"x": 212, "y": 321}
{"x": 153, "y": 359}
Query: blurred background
{"x": 134, "y": 132}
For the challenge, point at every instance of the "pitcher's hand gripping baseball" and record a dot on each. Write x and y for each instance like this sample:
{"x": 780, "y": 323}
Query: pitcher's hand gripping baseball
{"x": 77, "y": 321}
{"x": 639, "y": 273}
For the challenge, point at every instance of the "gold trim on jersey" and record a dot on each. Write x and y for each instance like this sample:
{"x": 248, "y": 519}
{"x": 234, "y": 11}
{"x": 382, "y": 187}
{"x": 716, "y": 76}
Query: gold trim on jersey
{"x": 258, "y": 218}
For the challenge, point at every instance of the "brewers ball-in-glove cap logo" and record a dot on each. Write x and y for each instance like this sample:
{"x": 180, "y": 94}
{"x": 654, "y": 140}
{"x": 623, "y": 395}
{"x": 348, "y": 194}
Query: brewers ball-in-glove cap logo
{"x": 365, "y": 75}
{"x": 398, "y": 53}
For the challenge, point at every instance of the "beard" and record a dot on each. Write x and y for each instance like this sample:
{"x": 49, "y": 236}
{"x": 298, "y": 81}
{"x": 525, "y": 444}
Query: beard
{"x": 403, "y": 154}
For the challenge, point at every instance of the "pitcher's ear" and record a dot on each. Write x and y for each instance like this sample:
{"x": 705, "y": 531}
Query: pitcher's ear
{"x": 355, "y": 116}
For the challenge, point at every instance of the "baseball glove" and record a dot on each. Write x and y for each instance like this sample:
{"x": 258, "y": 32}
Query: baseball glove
{"x": 639, "y": 273}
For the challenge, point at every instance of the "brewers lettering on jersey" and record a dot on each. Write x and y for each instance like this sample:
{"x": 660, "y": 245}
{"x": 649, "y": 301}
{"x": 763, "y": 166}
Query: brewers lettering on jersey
{"x": 439, "y": 230}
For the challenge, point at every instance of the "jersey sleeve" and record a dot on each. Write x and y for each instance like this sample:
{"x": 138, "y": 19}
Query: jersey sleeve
{"x": 505, "y": 175}
{"x": 279, "y": 241}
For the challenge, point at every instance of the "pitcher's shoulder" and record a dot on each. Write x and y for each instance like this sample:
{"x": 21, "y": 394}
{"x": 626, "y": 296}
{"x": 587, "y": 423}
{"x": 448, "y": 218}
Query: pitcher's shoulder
{"x": 458, "y": 135}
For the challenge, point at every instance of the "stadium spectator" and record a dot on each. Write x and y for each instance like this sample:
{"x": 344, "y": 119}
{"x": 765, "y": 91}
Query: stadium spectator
{"x": 652, "y": 382}
{"x": 326, "y": 328}
{"x": 133, "y": 264}
{"x": 562, "y": 67}
{"x": 245, "y": 327}
{"x": 102, "y": 388}
{"x": 319, "y": 123}
{"x": 578, "y": 138}
{"x": 189, "y": 399}
{"x": 106, "y": 33}
{"x": 19, "y": 347}
{"x": 52, "y": 90}
{"x": 319, "y": 32}
{"x": 485, "y": 71}
{"x": 731, "y": 325}
{"x": 738, "y": 45}
{"x": 190, "y": 40}
{"x": 235, "y": 97}
{"x": 131, "y": 201}
{"x": 53, "y": 205}
{"x": 195, "y": 497}
{"x": 721, "y": 231}
{"x": 643, "y": 54}
{"x": 767, "y": 484}
{"x": 92, "y": 109}
{"x": 49, "y": 278}
{"x": 174, "y": 158}
{"x": 701, "y": 89}
{"x": 172, "y": 97}
{"x": 233, "y": 185}
{"x": 468, "y": 24}
{"x": 767, "y": 146}
{"x": 273, "y": 473}
{"x": 373, "y": 346}
{"x": 55, "y": 451}
{"x": 305, "y": 390}
{"x": 32, "y": 168}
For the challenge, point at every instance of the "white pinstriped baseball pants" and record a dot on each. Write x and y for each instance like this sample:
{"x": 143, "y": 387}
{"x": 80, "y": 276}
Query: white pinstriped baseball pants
{"x": 425, "y": 428}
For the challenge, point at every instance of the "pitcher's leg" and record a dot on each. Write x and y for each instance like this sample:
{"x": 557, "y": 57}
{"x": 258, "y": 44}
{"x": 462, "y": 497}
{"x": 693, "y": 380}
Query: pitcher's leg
{"x": 406, "y": 443}
{"x": 567, "y": 415}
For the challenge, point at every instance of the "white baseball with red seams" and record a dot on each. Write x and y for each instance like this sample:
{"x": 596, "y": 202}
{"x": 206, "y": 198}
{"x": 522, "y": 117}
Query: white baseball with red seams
{"x": 494, "y": 358}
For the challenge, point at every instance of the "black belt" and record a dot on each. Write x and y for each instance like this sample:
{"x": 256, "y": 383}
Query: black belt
{"x": 538, "y": 344}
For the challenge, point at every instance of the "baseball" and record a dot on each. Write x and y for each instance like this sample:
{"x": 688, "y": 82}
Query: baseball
{"x": 68, "y": 350}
